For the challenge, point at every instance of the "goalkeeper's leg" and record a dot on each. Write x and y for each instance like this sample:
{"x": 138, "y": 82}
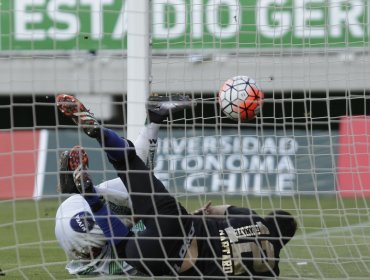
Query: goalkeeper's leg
{"x": 121, "y": 152}
{"x": 159, "y": 108}
{"x": 150, "y": 199}
{"x": 146, "y": 144}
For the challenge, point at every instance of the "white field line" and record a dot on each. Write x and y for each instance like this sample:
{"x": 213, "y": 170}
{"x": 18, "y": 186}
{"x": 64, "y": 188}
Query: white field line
{"x": 333, "y": 230}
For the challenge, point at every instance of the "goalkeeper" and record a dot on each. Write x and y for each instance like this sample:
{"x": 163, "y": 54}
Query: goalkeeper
{"x": 240, "y": 243}
{"x": 76, "y": 231}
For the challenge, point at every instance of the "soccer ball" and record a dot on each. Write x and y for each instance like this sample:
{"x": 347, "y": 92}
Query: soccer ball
{"x": 240, "y": 98}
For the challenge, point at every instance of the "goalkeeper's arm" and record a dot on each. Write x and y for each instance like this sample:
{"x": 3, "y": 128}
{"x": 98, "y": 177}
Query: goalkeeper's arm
{"x": 220, "y": 210}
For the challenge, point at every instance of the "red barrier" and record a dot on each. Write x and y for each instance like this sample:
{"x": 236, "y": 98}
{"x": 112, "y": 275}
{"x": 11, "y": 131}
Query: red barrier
{"x": 18, "y": 163}
{"x": 353, "y": 171}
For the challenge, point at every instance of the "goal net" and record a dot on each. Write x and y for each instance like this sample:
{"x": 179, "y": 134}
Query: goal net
{"x": 307, "y": 152}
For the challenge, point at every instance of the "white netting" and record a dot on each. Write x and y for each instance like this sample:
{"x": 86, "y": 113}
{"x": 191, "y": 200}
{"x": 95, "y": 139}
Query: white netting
{"x": 306, "y": 153}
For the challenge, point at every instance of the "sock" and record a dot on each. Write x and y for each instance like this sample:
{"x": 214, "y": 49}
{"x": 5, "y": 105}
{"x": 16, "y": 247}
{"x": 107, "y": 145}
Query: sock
{"x": 146, "y": 143}
{"x": 112, "y": 140}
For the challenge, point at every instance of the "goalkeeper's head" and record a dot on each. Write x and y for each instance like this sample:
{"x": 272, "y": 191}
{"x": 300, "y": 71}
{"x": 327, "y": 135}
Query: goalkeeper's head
{"x": 76, "y": 230}
{"x": 284, "y": 223}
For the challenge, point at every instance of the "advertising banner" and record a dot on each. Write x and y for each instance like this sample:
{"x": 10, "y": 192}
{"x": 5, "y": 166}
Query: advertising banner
{"x": 235, "y": 162}
{"x": 185, "y": 24}
{"x": 276, "y": 162}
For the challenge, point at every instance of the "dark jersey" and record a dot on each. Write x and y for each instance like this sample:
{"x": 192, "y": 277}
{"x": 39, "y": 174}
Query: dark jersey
{"x": 241, "y": 244}
{"x": 235, "y": 245}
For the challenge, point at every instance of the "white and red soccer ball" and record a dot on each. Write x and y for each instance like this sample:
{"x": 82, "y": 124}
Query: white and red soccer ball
{"x": 240, "y": 98}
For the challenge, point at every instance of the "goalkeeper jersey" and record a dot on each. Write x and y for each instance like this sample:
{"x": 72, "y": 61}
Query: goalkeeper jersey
{"x": 238, "y": 246}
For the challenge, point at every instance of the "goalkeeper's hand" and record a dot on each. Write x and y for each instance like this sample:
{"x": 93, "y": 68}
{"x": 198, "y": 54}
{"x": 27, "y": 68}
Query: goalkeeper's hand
{"x": 66, "y": 182}
{"x": 204, "y": 210}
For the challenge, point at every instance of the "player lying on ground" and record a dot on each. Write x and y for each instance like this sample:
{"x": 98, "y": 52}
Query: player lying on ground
{"x": 240, "y": 243}
{"x": 84, "y": 242}
{"x": 77, "y": 233}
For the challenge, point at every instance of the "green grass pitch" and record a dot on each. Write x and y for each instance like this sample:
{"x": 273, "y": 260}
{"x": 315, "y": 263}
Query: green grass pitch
{"x": 333, "y": 241}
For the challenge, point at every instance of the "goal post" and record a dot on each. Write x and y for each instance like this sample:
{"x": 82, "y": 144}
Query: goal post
{"x": 138, "y": 64}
